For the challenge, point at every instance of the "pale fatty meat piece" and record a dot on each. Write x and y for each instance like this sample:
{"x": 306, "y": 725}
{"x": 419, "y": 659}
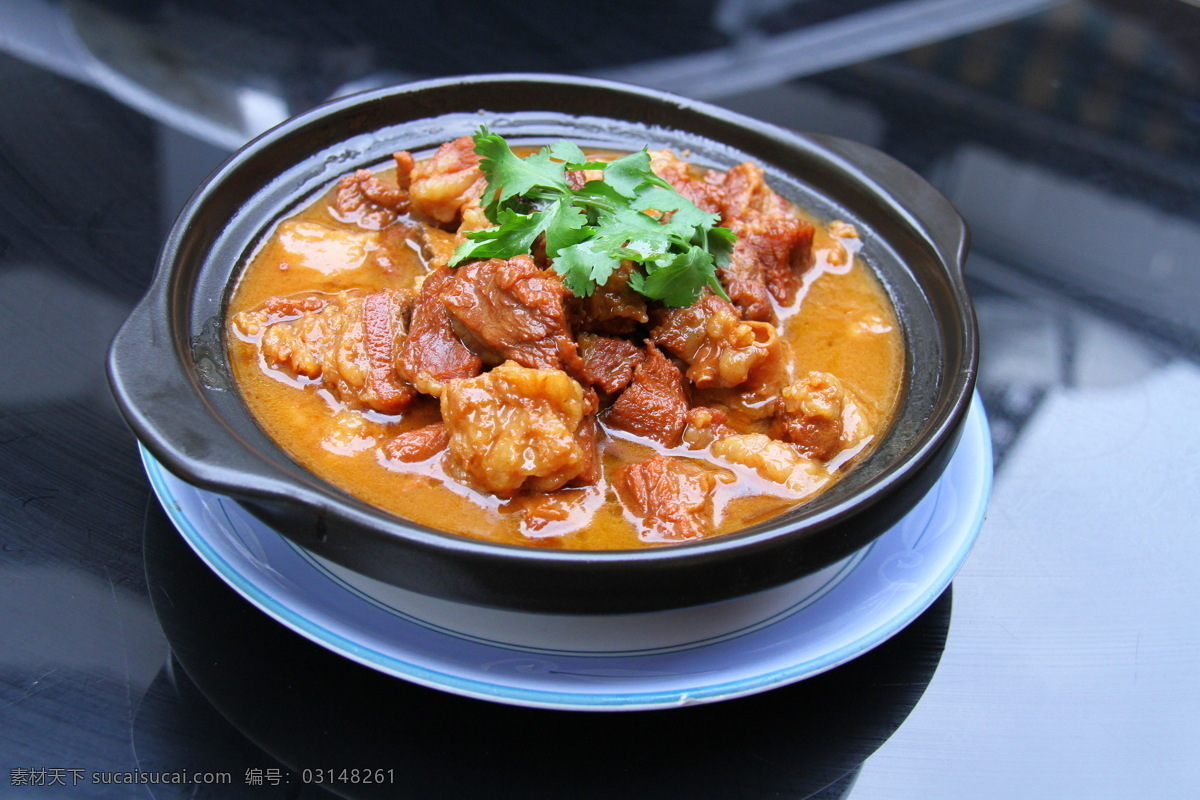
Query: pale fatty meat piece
{"x": 509, "y": 310}
{"x": 720, "y": 349}
{"x": 654, "y": 404}
{"x": 704, "y": 426}
{"x": 671, "y": 498}
{"x": 447, "y": 182}
{"x": 432, "y": 353}
{"x": 516, "y": 428}
{"x": 348, "y": 341}
{"x": 773, "y": 460}
{"x": 299, "y": 244}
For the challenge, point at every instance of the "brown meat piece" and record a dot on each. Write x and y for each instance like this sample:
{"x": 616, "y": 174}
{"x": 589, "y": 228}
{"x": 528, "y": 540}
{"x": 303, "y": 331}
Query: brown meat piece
{"x": 745, "y": 194}
{"x": 613, "y": 308}
{"x": 419, "y": 444}
{"x": 510, "y": 311}
{"x": 444, "y": 184}
{"x": 432, "y": 353}
{"x": 781, "y": 246}
{"x": 719, "y": 348}
{"x": 515, "y": 429}
{"x": 746, "y": 286}
{"x": 608, "y": 362}
{"x": 671, "y": 498}
{"x": 544, "y": 517}
{"x": 348, "y": 341}
{"x": 436, "y": 245}
{"x": 774, "y": 245}
{"x": 654, "y": 404}
{"x": 578, "y": 178}
{"x": 365, "y": 200}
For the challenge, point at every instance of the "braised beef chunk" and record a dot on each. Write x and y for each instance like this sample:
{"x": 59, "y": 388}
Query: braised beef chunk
{"x": 578, "y": 178}
{"x": 348, "y": 341}
{"x": 672, "y": 498}
{"x": 608, "y": 362}
{"x": 445, "y": 184}
{"x": 770, "y": 234}
{"x": 432, "y": 353}
{"x": 781, "y": 246}
{"x": 654, "y": 404}
{"x": 613, "y": 308}
{"x": 746, "y": 286}
{"x": 719, "y": 348}
{"x": 510, "y": 310}
{"x": 745, "y": 195}
{"x": 516, "y": 428}
{"x": 810, "y": 413}
{"x": 419, "y": 444}
{"x": 368, "y": 202}
{"x": 383, "y": 336}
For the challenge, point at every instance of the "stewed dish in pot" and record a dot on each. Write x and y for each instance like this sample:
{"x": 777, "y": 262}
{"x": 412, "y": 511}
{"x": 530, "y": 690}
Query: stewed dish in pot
{"x": 552, "y": 347}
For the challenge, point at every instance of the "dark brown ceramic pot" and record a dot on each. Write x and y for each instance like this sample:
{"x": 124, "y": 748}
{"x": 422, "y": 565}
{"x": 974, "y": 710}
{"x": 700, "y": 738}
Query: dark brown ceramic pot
{"x": 170, "y": 375}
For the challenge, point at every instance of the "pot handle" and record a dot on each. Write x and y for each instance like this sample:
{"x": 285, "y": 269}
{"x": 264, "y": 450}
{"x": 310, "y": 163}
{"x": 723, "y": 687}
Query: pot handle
{"x": 925, "y": 208}
{"x": 168, "y": 412}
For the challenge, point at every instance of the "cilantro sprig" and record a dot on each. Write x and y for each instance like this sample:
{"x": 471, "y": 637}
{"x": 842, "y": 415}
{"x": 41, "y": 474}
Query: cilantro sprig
{"x": 630, "y": 214}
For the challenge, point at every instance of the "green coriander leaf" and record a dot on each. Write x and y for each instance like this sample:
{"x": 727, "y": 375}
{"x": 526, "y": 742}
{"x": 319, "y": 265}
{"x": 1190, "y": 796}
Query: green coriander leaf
{"x": 680, "y": 282}
{"x": 629, "y": 214}
{"x": 568, "y": 225}
{"x": 508, "y": 175}
{"x": 684, "y": 214}
{"x": 626, "y": 174}
{"x": 568, "y": 153}
{"x": 514, "y": 234}
{"x": 583, "y": 267}
{"x": 719, "y": 241}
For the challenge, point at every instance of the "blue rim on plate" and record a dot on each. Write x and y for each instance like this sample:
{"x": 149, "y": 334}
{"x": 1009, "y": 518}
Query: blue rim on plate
{"x": 716, "y": 652}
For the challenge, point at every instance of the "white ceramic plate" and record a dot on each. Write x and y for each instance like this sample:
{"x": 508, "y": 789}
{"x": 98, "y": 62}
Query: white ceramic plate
{"x": 623, "y": 662}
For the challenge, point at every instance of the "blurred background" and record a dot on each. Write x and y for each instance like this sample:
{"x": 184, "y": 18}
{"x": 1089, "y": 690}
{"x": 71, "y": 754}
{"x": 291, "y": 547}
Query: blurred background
{"x": 1066, "y": 131}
